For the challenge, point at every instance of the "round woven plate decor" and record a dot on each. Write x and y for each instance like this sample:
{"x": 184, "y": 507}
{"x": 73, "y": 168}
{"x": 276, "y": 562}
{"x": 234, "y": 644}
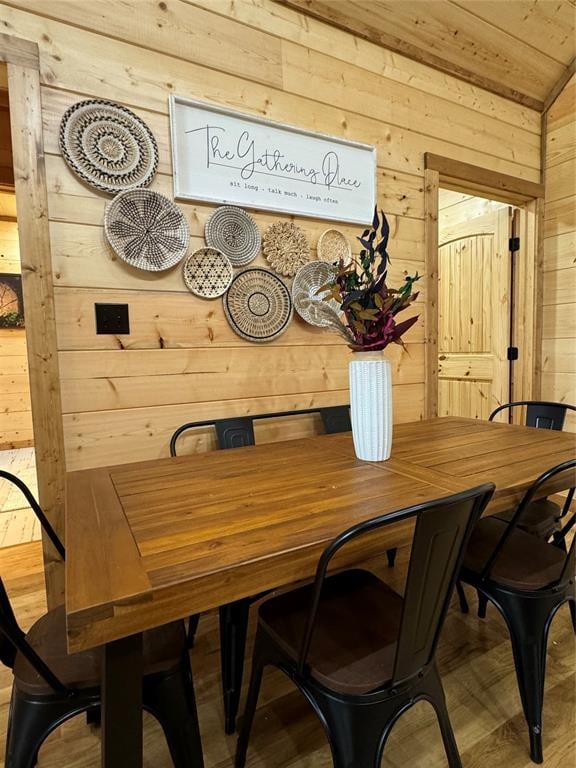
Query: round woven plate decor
{"x": 307, "y": 302}
{"x": 285, "y": 247}
{"x": 258, "y": 305}
{"x": 146, "y": 230}
{"x": 207, "y": 273}
{"x": 235, "y": 233}
{"x": 108, "y": 146}
{"x": 333, "y": 246}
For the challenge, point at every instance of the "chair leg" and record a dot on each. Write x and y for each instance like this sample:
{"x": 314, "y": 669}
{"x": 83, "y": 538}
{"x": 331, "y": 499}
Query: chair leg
{"x": 233, "y": 631}
{"x": 462, "y": 597}
{"x": 438, "y": 701}
{"x": 572, "y": 606}
{"x": 30, "y": 722}
{"x": 251, "y": 703}
{"x": 528, "y": 621}
{"x": 94, "y": 717}
{"x": 391, "y": 555}
{"x": 193, "y": 622}
{"x": 169, "y": 696}
{"x": 482, "y": 604}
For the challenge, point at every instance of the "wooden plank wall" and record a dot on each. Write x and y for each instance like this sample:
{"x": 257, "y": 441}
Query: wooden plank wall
{"x": 559, "y": 317}
{"x": 122, "y": 398}
{"x": 15, "y": 412}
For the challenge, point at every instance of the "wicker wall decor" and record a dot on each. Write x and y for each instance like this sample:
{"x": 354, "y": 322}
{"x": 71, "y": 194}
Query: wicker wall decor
{"x": 146, "y": 229}
{"x": 235, "y": 233}
{"x": 307, "y": 302}
{"x": 258, "y": 305}
{"x": 108, "y": 146}
{"x": 333, "y": 246}
{"x": 207, "y": 273}
{"x": 285, "y": 247}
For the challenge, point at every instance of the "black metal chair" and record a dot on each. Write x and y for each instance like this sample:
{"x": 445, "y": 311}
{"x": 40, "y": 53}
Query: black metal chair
{"x": 50, "y": 686}
{"x": 360, "y": 653}
{"x": 528, "y": 580}
{"x": 233, "y": 617}
{"x": 541, "y": 414}
{"x": 542, "y": 517}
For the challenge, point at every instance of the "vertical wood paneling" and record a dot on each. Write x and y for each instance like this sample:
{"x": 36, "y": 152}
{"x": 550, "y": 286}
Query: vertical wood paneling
{"x": 558, "y": 381}
{"x": 267, "y": 61}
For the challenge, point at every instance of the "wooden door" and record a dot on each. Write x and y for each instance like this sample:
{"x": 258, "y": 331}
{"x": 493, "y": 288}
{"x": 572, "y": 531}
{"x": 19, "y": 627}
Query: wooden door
{"x": 474, "y": 310}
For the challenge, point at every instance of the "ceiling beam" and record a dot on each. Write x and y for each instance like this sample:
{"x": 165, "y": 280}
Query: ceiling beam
{"x": 324, "y": 11}
{"x": 559, "y": 86}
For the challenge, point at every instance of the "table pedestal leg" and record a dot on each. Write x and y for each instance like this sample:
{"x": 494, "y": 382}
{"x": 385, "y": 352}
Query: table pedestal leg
{"x": 122, "y": 704}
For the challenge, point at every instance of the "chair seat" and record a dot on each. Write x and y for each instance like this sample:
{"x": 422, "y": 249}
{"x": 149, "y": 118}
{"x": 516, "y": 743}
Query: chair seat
{"x": 540, "y": 518}
{"x": 162, "y": 650}
{"x": 354, "y": 642}
{"x": 526, "y": 562}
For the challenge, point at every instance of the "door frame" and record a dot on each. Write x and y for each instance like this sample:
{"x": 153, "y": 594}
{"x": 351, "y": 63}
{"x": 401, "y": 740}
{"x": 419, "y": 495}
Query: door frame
{"x": 528, "y": 196}
{"x": 22, "y": 59}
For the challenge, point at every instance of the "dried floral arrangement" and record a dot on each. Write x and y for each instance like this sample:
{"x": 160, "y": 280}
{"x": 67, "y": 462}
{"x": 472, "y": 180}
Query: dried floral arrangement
{"x": 368, "y": 304}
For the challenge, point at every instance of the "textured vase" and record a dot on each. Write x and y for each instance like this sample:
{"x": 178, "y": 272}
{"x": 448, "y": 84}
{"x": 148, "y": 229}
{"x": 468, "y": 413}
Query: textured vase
{"x": 371, "y": 405}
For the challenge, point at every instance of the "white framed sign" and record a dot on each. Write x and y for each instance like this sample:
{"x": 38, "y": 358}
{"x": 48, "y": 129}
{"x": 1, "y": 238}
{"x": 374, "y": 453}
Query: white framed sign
{"x": 223, "y": 156}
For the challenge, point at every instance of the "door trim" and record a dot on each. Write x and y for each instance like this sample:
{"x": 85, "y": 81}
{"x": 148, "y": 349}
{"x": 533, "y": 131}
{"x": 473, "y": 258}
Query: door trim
{"x": 22, "y": 61}
{"x": 528, "y": 196}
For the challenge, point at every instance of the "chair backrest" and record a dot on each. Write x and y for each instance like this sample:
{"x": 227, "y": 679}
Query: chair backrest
{"x": 44, "y": 522}
{"x": 442, "y": 530}
{"x": 230, "y": 433}
{"x": 539, "y": 413}
{"x": 561, "y": 477}
{"x": 238, "y": 432}
{"x": 336, "y": 418}
{"x": 13, "y": 639}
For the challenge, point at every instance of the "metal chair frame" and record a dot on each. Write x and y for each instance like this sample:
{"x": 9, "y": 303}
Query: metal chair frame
{"x": 168, "y": 695}
{"x": 331, "y": 416}
{"x": 529, "y": 613}
{"x": 357, "y": 726}
{"x": 536, "y": 410}
{"x": 44, "y": 522}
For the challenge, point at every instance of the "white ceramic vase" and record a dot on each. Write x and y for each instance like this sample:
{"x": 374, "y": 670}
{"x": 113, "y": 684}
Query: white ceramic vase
{"x": 371, "y": 405}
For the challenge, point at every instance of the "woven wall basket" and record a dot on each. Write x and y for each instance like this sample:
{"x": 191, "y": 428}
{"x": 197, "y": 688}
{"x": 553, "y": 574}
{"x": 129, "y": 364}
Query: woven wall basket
{"x": 307, "y": 302}
{"x": 235, "y": 233}
{"x": 258, "y": 305}
{"x": 207, "y": 273}
{"x": 146, "y": 229}
{"x": 333, "y": 246}
{"x": 285, "y": 247}
{"x": 108, "y": 146}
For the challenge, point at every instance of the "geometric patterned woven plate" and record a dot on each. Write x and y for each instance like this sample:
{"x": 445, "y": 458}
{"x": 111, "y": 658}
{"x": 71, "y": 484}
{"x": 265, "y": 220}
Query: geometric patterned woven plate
{"x": 258, "y": 305}
{"x": 207, "y": 273}
{"x": 108, "y": 146}
{"x": 146, "y": 229}
{"x": 307, "y": 302}
{"x": 235, "y": 233}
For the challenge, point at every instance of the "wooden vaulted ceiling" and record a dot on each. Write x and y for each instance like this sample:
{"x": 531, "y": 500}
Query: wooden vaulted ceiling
{"x": 522, "y": 49}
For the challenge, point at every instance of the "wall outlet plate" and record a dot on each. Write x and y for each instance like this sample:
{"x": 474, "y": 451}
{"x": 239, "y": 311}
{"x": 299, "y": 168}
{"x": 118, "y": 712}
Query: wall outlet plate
{"x": 112, "y": 318}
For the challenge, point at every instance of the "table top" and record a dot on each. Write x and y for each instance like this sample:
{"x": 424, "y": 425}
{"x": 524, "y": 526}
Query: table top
{"x": 155, "y": 541}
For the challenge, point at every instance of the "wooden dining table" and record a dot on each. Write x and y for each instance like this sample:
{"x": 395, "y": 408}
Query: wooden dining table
{"x": 161, "y": 540}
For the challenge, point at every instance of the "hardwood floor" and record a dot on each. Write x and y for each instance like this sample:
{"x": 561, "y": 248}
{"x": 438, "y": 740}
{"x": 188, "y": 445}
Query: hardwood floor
{"x": 18, "y": 523}
{"x": 474, "y": 658}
